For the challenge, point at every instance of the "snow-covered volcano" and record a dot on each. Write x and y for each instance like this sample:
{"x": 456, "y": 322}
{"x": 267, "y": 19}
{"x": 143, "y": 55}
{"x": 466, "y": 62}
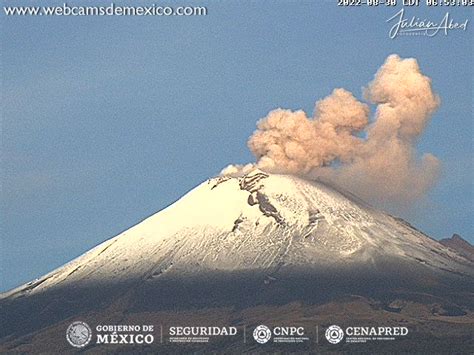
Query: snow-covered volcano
{"x": 255, "y": 222}
{"x": 255, "y": 239}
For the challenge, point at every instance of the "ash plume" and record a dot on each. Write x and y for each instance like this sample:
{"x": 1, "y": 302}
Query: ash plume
{"x": 375, "y": 158}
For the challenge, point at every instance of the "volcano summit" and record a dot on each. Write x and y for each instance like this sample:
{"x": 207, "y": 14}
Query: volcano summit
{"x": 241, "y": 250}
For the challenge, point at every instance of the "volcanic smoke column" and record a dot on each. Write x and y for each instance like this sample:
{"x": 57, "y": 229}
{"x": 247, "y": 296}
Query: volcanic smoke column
{"x": 376, "y": 159}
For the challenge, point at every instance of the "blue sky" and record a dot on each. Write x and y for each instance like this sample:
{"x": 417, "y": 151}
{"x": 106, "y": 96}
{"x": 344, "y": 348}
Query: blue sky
{"x": 108, "y": 120}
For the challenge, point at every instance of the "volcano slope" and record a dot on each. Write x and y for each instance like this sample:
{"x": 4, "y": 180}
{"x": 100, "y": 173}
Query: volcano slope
{"x": 251, "y": 249}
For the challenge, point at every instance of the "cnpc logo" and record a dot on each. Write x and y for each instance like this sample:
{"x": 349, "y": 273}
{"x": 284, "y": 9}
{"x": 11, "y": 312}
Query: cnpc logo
{"x": 262, "y": 334}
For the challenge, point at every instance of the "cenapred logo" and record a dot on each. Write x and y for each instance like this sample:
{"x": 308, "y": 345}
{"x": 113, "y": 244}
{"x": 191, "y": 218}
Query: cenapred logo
{"x": 78, "y": 334}
{"x": 262, "y": 334}
{"x": 334, "y": 334}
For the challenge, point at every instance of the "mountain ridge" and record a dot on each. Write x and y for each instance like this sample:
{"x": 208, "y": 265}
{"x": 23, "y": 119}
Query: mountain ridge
{"x": 240, "y": 242}
{"x": 258, "y": 199}
{"x": 460, "y": 245}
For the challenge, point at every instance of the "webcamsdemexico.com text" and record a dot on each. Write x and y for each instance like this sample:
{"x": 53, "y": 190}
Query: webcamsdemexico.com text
{"x": 110, "y": 10}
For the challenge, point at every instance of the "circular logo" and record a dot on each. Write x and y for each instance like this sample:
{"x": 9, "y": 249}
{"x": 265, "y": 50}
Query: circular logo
{"x": 334, "y": 334}
{"x": 262, "y": 334}
{"x": 78, "y": 334}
